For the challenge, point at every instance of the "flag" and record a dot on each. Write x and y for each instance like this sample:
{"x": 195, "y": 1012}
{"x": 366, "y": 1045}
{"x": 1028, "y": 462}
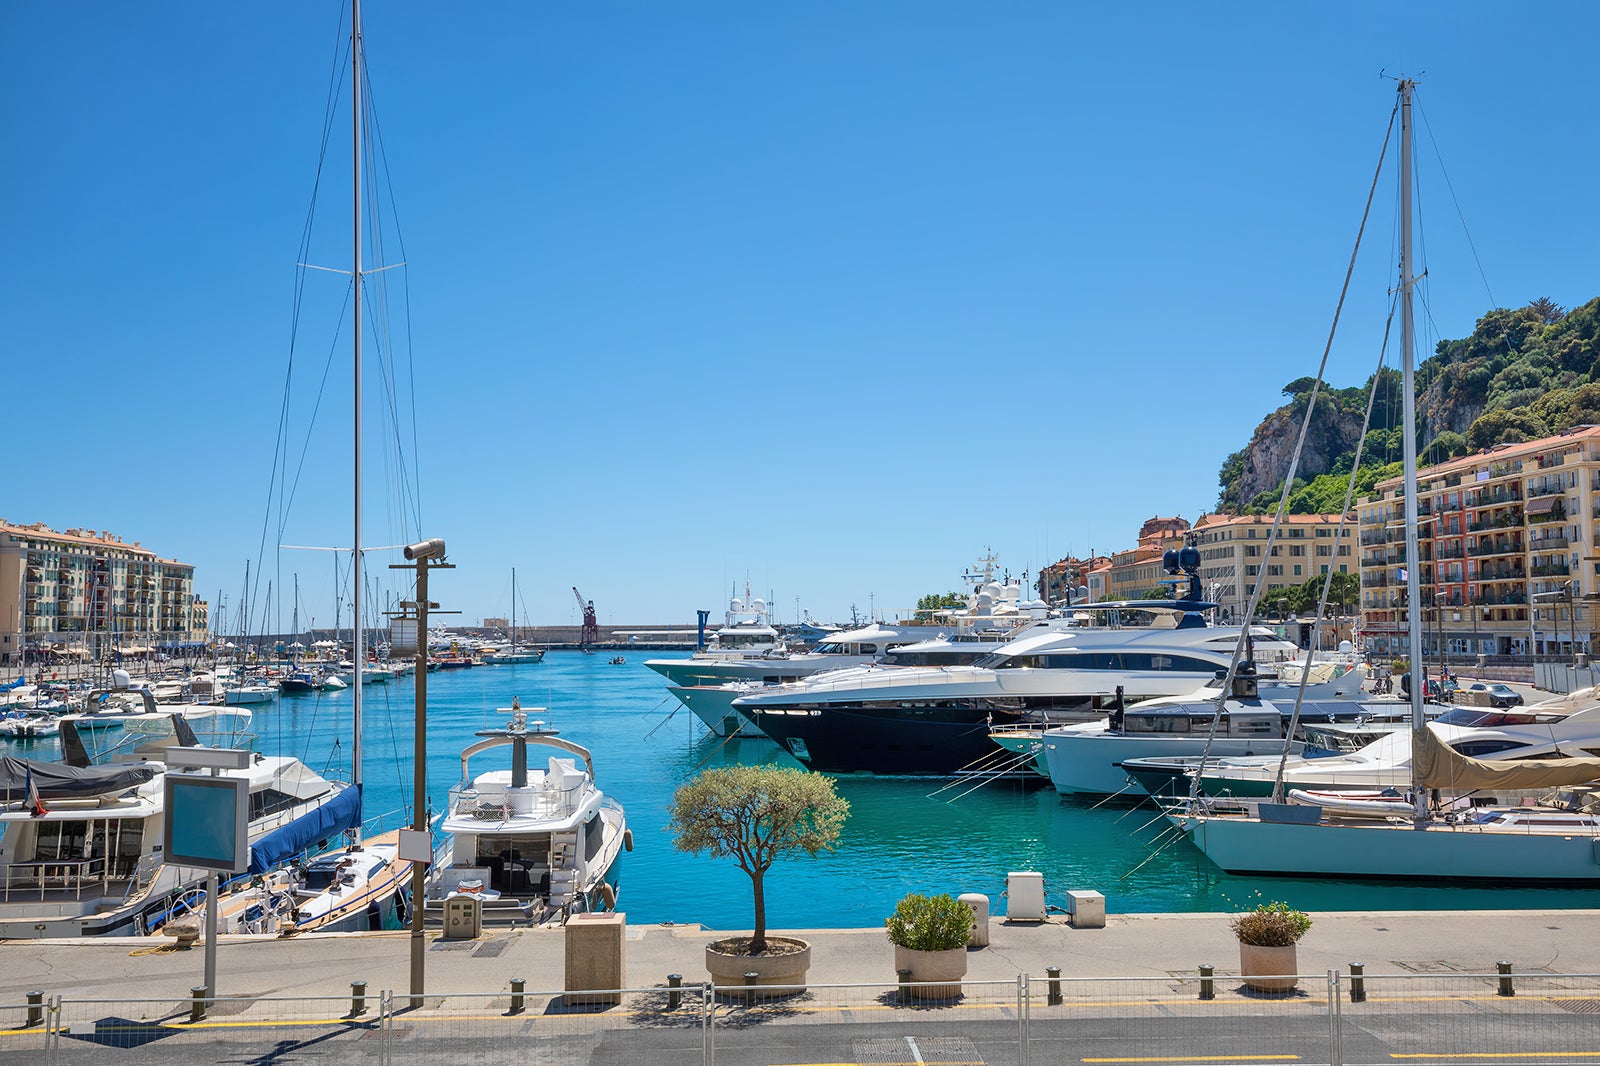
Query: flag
{"x": 34, "y": 803}
{"x": 1402, "y": 573}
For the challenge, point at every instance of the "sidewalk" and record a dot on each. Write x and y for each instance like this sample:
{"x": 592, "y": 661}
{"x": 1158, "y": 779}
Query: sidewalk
{"x": 1146, "y": 945}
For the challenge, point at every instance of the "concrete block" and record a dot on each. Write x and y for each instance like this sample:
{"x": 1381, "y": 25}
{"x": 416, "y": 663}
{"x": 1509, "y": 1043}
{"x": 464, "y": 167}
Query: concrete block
{"x": 1087, "y": 909}
{"x": 595, "y": 949}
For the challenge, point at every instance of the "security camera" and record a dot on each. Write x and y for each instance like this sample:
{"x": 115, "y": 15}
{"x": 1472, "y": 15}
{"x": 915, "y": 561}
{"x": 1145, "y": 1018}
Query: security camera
{"x": 428, "y": 549}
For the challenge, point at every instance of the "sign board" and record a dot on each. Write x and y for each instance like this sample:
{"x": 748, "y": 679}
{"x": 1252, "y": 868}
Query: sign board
{"x": 205, "y": 821}
{"x": 416, "y": 845}
{"x": 403, "y": 636}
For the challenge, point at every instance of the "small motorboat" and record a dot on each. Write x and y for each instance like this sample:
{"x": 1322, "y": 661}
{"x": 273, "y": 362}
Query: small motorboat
{"x": 617, "y": 660}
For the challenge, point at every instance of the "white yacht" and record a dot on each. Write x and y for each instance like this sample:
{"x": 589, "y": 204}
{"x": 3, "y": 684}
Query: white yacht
{"x": 937, "y": 720}
{"x": 535, "y": 844}
{"x": 82, "y": 855}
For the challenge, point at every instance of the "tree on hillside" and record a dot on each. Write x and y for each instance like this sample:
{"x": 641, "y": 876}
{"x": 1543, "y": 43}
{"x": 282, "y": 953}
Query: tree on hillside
{"x": 1548, "y": 310}
{"x": 1504, "y": 427}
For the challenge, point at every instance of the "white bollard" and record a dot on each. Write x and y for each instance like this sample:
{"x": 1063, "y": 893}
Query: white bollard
{"x": 980, "y": 918}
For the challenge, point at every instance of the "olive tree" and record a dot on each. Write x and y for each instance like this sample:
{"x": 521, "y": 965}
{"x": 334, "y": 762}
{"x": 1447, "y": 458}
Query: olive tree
{"x": 757, "y": 814}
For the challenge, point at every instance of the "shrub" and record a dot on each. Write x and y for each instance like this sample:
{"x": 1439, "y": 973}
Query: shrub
{"x": 930, "y": 923}
{"x": 1271, "y": 925}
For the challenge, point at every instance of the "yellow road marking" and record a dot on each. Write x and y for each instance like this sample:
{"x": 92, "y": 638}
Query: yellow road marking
{"x": 261, "y": 1024}
{"x": 1200, "y": 1058}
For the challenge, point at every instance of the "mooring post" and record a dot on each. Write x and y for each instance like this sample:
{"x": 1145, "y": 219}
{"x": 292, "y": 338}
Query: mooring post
{"x": 1506, "y": 987}
{"x": 1358, "y": 982}
{"x": 518, "y": 998}
{"x": 197, "y": 1003}
{"x": 674, "y": 995}
{"x": 905, "y": 985}
{"x": 35, "y": 1008}
{"x": 358, "y": 998}
{"x": 1208, "y": 987}
{"x": 750, "y": 979}
{"x": 1053, "y": 973}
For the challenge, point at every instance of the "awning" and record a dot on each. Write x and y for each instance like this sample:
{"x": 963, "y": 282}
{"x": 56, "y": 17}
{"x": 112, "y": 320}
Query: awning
{"x": 1542, "y": 504}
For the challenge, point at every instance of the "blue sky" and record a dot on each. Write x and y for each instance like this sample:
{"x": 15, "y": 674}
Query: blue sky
{"x": 828, "y": 295}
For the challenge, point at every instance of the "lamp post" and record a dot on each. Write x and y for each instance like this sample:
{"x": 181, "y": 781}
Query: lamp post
{"x": 425, "y": 556}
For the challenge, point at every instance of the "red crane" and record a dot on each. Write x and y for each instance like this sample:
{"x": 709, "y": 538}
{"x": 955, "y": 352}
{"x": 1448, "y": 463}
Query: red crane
{"x": 591, "y": 629}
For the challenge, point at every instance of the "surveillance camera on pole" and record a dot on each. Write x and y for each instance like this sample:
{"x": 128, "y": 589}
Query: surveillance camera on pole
{"x": 427, "y": 549}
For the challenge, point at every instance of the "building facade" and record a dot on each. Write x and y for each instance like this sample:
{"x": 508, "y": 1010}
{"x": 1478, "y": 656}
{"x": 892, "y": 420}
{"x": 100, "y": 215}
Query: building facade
{"x": 1138, "y": 569}
{"x": 84, "y": 592}
{"x": 1508, "y": 552}
{"x": 1234, "y": 557}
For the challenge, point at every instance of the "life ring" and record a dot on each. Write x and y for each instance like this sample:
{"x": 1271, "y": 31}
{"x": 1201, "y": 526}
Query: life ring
{"x": 608, "y": 896}
{"x": 627, "y": 840}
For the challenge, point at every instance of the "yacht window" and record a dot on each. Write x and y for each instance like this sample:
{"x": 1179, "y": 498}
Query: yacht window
{"x": 1152, "y": 723}
{"x": 1479, "y": 748}
{"x": 1468, "y": 716}
{"x": 593, "y": 836}
{"x": 869, "y": 649}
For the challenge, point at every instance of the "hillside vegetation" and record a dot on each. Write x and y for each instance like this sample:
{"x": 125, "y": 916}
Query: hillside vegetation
{"x": 1522, "y": 374}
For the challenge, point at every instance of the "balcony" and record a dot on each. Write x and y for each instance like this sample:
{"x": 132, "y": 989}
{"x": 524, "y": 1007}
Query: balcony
{"x": 1548, "y": 543}
{"x": 1534, "y": 492}
{"x": 1511, "y": 547}
{"x": 1551, "y": 570}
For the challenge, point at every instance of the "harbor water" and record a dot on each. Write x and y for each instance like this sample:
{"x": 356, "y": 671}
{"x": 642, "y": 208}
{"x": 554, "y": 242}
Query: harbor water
{"x": 903, "y": 835}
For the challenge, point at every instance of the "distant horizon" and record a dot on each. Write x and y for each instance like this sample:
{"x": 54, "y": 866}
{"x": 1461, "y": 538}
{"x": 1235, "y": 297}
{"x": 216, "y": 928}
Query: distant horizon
{"x": 833, "y": 299}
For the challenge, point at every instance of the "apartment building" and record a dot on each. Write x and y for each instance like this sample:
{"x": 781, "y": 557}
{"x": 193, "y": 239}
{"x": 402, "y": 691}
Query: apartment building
{"x": 1508, "y": 551}
{"x": 1234, "y": 557}
{"x": 76, "y": 591}
{"x": 1137, "y": 570}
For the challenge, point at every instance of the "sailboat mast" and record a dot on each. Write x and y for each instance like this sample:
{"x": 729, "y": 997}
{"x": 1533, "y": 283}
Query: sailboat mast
{"x": 357, "y": 574}
{"x": 1409, "y": 415}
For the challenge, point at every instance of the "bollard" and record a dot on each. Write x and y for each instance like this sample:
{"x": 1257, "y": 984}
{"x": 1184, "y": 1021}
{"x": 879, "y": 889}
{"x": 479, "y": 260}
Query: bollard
{"x": 197, "y": 1003}
{"x": 750, "y": 988}
{"x": 1506, "y": 987}
{"x": 518, "y": 988}
{"x": 674, "y": 996}
{"x": 358, "y": 998}
{"x": 1054, "y": 974}
{"x": 1208, "y": 987}
{"x": 1358, "y": 982}
{"x": 35, "y": 1008}
{"x": 905, "y": 985}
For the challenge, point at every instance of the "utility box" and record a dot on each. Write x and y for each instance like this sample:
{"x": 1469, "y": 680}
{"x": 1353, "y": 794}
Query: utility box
{"x": 595, "y": 971}
{"x": 1025, "y": 897}
{"x": 1086, "y": 909}
{"x": 463, "y": 917}
{"x": 980, "y": 918}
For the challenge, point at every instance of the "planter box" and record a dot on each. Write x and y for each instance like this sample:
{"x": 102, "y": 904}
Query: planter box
{"x": 946, "y": 968}
{"x": 727, "y": 969}
{"x": 1268, "y": 969}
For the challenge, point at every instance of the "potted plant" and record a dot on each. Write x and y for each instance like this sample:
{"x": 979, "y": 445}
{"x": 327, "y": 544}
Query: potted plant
{"x": 930, "y": 936}
{"x": 756, "y": 815}
{"x": 1267, "y": 938}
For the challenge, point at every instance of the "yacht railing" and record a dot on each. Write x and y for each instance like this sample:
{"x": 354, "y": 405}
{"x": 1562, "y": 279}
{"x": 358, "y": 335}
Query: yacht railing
{"x": 543, "y": 803}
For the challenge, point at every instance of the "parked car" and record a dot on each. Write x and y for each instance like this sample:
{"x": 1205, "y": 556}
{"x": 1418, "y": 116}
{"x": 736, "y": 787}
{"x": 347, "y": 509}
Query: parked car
{"x": 1499, "y": 695}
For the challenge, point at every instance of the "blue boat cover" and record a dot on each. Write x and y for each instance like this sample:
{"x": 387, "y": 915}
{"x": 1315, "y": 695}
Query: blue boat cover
{"x": 341, "y": 812}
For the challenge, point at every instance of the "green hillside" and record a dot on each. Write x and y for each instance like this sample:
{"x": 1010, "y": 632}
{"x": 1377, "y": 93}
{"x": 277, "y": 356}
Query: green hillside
{"x": 1522, "y": 374}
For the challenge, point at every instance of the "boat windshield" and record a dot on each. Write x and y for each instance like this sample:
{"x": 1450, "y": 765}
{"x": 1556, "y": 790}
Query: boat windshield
{"x": 1486, "y": 719}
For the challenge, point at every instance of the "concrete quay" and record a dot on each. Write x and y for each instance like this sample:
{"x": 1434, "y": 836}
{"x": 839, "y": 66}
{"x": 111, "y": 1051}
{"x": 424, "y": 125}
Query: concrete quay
{"x": 1156, "y": 946}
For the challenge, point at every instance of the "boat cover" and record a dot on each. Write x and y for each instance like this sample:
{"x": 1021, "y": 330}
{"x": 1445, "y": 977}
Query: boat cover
{"x": 55, "y": 780}
{"x": 341, "y": 812}
{"x": 1437, "y": 765}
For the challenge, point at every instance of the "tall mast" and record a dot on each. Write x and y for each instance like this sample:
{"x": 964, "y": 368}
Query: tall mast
{"x": 513, "y": 610}
{"x": 1409, "y": 421}
{"x": 357, "y": 574}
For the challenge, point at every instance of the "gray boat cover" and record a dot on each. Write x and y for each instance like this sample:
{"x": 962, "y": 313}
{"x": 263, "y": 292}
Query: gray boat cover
{"x": 54, "y": 780}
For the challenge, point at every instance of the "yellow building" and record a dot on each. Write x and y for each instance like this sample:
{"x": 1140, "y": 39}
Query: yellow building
{"x": 1508, "y": 546}
{"x": 1234, "y": 556}
{"x": 70, "y": 591}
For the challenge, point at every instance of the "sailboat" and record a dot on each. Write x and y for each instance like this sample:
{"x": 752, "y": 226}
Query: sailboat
{"x": 513, "y": 654}
{"x": 1343, "y": 837}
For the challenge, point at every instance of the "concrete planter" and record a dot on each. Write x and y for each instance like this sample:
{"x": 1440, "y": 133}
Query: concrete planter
{"x": 947, "y": 968}
{"x": 728, "y": 966}
{"x": 1264, "y": 968}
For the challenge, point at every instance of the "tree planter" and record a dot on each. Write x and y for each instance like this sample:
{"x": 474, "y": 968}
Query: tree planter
{"x": 785, "y": 963}
{"x": 1264, "y": 968}
{"x": 947, "y": 968}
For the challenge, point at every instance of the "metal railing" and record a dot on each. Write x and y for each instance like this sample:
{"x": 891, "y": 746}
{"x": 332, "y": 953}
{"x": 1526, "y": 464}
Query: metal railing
{"x": 1330, "y": 1018}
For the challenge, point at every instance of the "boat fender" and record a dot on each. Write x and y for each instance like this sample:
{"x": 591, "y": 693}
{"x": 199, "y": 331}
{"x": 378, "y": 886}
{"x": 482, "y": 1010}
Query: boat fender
{"x": 608, "y": 896}
{"x": 627, "y": 839}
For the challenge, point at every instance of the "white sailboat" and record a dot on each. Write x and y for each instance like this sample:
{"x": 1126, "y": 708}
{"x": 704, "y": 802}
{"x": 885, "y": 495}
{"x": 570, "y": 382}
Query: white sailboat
{"x": 1502, "y": 844}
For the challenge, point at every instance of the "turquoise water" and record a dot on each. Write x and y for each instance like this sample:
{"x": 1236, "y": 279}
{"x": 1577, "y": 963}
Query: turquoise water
{"x": 900, "y": 837}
